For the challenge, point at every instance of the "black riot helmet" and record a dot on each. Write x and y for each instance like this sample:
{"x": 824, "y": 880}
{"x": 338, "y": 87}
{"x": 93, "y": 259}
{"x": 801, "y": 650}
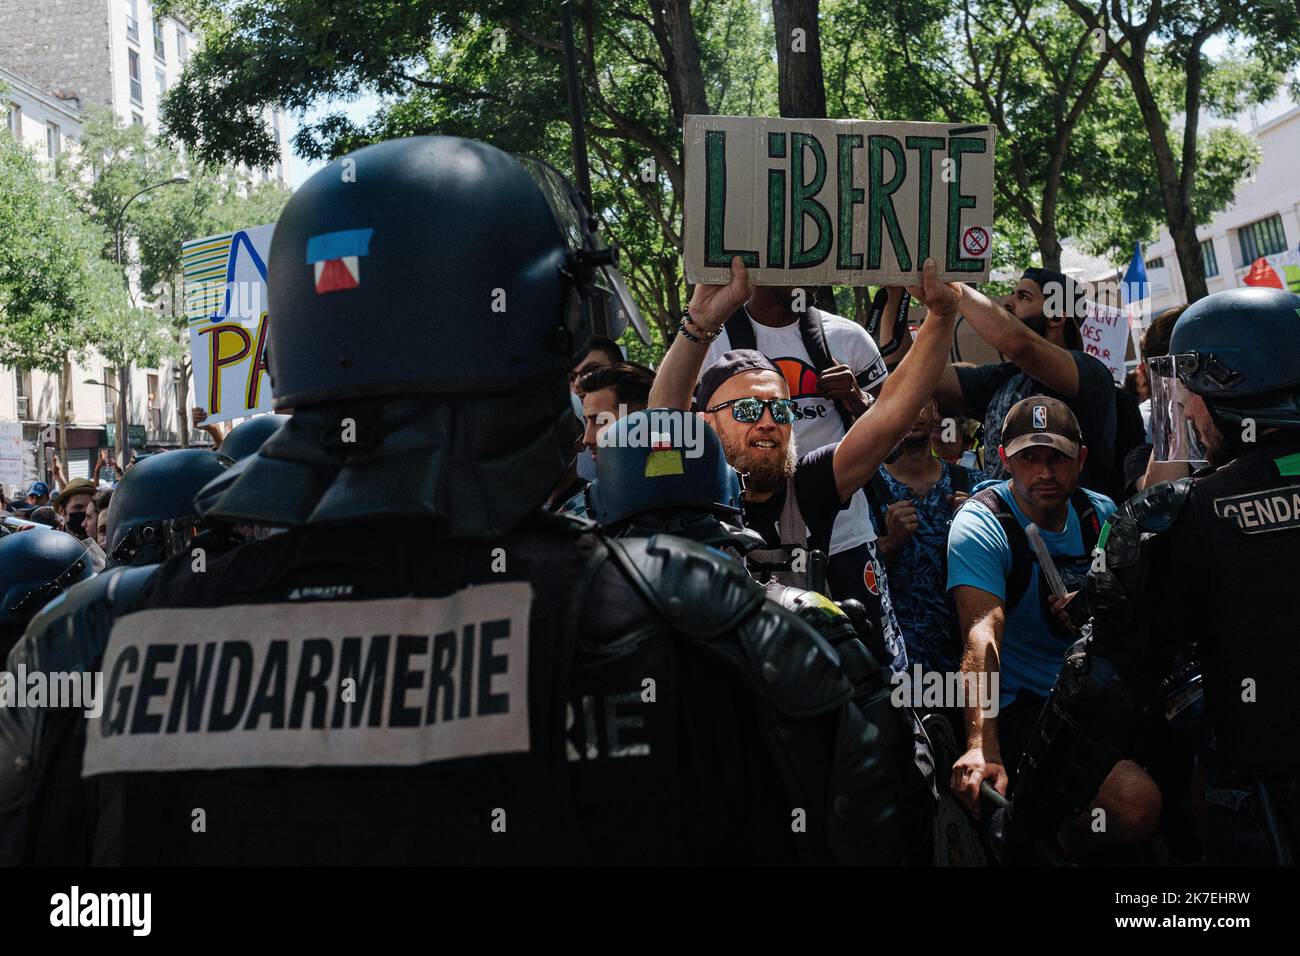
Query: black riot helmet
{"x": 36, "y": 566}
{"x": 428, "y": 298}
{"x": 1240, "y": 350}
{"x": 663, "y": 465}
{"x": 248, "y": 436}
{"x": 152, "y": 514}
{"x": 429, "y": 265}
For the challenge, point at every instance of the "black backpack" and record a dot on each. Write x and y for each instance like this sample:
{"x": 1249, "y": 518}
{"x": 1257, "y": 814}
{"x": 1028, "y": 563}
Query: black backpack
{"x": 1129, "y": 434}
{"x": 1022, "y": 556}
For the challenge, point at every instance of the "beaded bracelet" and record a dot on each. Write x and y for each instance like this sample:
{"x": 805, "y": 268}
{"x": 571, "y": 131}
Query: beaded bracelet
{"x": 702, "y": 337}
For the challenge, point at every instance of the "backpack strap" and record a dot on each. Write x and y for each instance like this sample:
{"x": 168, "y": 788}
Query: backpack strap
{"x": 1089, "y": 525}
{"x": 813, "y": 333}
{"x": 1021, "y": 557}
{"x": 958, "y": 477}
{"x": 878, "y": 498}
{"x": 740, "y": 330}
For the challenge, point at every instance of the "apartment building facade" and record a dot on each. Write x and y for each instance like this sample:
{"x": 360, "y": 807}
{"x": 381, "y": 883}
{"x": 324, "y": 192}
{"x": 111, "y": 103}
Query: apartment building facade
{"x": 1263, "y": 220}
{"x": 56, "y": 58}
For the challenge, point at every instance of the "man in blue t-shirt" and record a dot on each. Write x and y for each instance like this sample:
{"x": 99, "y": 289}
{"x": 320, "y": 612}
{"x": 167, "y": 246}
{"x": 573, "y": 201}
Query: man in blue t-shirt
{"x": 1014, "y": 628}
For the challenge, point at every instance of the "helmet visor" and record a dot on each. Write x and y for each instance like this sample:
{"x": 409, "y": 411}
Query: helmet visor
{"x": 570, "y": 215}
{"x": 1172, "y": 433}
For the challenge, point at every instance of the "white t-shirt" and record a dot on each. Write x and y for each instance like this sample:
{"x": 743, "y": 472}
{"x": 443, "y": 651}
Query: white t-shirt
{"x": 819, "y": 422}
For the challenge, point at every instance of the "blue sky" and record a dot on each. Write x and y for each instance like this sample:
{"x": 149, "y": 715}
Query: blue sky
{"x": 297, "y": 170}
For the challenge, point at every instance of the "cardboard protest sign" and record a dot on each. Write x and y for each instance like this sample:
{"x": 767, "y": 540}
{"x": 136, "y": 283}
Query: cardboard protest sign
{"x": 844, "y": 202}
{"x": 11, "y": 453}
{"x": 1105, "y": 330}
{"x": 225, "y": 306}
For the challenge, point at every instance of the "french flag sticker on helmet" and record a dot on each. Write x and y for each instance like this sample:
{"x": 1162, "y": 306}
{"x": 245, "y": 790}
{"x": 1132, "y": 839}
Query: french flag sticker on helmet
{"x": 337, "y": 258}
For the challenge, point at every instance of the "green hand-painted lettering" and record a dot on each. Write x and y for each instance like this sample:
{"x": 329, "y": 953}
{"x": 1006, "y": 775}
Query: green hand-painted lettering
{"x": 715, "y": 204}
{"x": 803, "y": 206}
{"x": 849, "y": 197}
{"x": 925, "y": 145}
{"x": 955, "y": 261}
{"x": 881, "y": 203}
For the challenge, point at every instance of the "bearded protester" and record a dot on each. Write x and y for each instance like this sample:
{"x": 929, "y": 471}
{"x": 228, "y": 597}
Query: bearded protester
{"x": 1036, "y": 328}
{"x": 793, "y": 500}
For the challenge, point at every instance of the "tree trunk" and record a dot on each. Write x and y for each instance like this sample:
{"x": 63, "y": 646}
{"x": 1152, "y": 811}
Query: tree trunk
{"x": 64, "y": 374}
{"x": 1175, "y": 187}
{"x": 123, "y": 449}
{"x": 182, "y": 391}
{"x": 1049, "y": 245}
{"x": 680, "y": 48}
{"x": 800, "y": 86}
{"x": 183, "y": 403}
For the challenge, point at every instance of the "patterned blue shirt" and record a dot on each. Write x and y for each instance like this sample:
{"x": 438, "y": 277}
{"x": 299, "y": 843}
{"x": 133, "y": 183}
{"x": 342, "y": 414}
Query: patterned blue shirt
{"x": 918, "y": 574}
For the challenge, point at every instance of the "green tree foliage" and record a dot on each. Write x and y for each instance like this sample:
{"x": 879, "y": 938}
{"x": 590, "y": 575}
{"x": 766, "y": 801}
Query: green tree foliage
{"x": 113, "y": 163}
{"x": 54, "y": 284}
{"x": 493, "y": 70}
{"x": 1160, "y": 47}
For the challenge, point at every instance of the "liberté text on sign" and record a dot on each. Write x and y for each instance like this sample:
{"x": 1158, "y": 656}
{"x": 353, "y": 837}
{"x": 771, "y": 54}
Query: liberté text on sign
{"x": 843, "y": 202}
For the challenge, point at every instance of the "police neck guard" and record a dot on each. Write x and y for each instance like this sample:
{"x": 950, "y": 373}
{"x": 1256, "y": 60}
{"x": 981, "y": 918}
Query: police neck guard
{"x": 479, "y": 465}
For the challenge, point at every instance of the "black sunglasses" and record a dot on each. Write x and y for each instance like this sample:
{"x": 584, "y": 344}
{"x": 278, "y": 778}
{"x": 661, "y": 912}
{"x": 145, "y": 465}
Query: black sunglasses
{"x": 749, "y": 410}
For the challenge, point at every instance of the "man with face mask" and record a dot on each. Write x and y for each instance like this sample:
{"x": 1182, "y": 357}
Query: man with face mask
{"x": 1194, "y": 587}
{"x": 72, "y": 504}
{"x": 1036, "y": 329}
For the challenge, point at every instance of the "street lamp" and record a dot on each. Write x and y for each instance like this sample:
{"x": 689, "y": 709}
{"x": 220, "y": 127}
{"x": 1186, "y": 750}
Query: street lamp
{"x": 117, "y": 224}
{"x": 125, "y": 371}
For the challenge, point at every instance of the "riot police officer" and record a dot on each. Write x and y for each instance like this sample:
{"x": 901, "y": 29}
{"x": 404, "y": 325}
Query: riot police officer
{"x": 248, "y": 436}
{"x": 36, "y": 565}
{"x": 664, "y": 471}
{"x": 152, "y": 516}
{"x": 1193, "y": 589}
{"x": 426, "y": 667}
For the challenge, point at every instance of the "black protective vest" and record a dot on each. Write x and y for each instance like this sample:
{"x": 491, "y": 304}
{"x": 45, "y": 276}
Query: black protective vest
{"x": 646, "y": 704}
{"x": 1228, "y": 572}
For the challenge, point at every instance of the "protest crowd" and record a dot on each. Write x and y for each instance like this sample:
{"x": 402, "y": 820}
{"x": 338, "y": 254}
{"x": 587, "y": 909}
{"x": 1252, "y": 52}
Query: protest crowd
{"x": 807, "y": 591}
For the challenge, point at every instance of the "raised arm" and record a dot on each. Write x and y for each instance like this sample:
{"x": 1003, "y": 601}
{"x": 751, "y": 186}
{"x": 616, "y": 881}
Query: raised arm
{"x": 711, "y": 306}
{"x": 982, "y": 617}
{"x": 908, "y": 388}
{"x": 1033, "y": 354}
{"x": 896, "y": 339}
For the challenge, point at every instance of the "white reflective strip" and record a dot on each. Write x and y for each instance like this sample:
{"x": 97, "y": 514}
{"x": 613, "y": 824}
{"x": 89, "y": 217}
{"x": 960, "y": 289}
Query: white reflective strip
{"x": 263, "y": 685}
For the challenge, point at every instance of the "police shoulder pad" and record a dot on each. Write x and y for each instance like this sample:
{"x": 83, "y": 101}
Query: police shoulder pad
{"x": 792, "y": 666}
{"x": 1156, "y": 508}
{"x": 700, "y": 591}
{"x": 72, "y": 630}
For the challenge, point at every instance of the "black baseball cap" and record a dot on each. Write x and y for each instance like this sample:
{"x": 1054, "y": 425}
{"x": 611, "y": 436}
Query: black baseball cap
{"x": 1039, "y": 421}
{"x": 731, "y": 363}
{"x": 1057, "y": 287}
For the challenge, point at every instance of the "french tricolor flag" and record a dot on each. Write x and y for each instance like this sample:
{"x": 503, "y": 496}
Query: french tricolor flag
{"x": 336, "y": 257}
